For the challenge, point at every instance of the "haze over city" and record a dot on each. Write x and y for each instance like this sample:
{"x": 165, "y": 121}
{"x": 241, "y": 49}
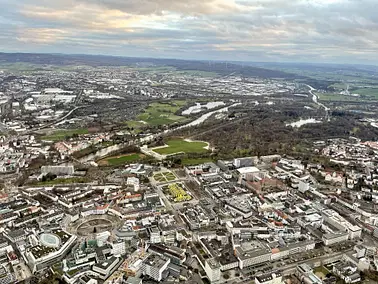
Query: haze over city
{"x": 334, "y": 31}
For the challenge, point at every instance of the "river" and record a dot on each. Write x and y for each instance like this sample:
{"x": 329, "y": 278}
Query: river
{"x": 315, "y": 99}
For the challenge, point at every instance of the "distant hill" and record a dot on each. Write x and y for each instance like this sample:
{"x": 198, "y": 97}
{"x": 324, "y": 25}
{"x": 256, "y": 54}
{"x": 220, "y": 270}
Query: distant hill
{"x": 220, "y": 68}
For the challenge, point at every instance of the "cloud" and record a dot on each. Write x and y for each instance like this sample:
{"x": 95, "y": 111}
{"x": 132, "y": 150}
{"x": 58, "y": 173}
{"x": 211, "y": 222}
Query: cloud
{"x": 282, "y": 30}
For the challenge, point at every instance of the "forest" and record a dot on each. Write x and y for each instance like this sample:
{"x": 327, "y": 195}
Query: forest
{"x": 263, "y": 131}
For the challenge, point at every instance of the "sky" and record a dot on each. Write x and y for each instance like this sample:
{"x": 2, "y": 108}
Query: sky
{"x": 333, "y": 31}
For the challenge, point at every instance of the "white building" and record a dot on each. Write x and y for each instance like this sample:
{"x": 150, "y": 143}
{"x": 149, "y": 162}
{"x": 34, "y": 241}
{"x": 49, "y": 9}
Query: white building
{"x": 330, "y": 239}
{"x": 41, "y": 256}
{"x": 212, "y": 269}
{"x": 134, "y": 182}
{"x": 154, "y": 266}
{"x": 118, "y": 248}
{"x": 339, "y": 222}
{"x": 248, "y": 173}
{"x": 249, "y": 258}
{"x": 106, "y": 268}
{"x": 58, "y": 170}
{"x": 155, "y": 236}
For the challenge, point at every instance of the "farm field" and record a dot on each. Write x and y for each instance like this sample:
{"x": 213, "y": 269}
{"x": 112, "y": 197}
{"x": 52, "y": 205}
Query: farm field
{"x": 177, "y": 192}
{"x": 162, "y": 113}
{"x": 120, "y": 160}
{"x": 180, "y": 145}
{"x": 164, "y": 177}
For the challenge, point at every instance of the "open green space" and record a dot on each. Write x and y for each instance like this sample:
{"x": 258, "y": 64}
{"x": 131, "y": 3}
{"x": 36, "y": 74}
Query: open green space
{"x": 135, "y": 127}
{"x": 120, "y": 160}
{"x": 195, "y": 161}
{"x": 336, "y": 97}
{"x": 164, "y": 177}
{"x": 156, "y": 69}
{"x": 198, "y": 73}
{"x": 134, "y": 124}
{"x": 160, "y": 113}
{"x": 159, "y": 177}
{"x": 173, "y": 70}
{"x": 371, "y": 93}
{"x": 180, "y": 145}
{"x": 62, "y": 134}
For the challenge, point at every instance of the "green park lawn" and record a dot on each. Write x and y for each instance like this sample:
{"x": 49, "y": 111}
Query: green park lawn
{"x": 120, "y": 160}
{"x": 179, "y": 145}
{"x": 164, "y": 176}
{"x": 369, "y": 93}
{"x": 332, "y": 97}
{"x": 62, "y": 134}
{"x": 160, "y": 113}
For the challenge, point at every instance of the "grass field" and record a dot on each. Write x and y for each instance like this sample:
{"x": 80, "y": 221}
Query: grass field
{"x": 193, "y": 162}
{"x": 180, "y": 145}
{"x": 135, "y": 126}
{"x": 162, "y": 113}
{"x": 369, "y": 93}
{"x": 120, "y": 160}
{"x": 164, "y": 177}
{"x": 329, "y": 97}
{"x": 62, "y": 134}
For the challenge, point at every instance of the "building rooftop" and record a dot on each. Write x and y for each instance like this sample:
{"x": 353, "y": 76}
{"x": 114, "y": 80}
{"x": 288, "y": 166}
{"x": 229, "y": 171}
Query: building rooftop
{"x": 248, "y": 170}
{"x": 155, "y": 261}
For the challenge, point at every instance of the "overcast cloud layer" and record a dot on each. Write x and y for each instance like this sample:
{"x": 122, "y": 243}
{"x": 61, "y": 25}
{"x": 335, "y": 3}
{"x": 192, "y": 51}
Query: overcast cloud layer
{"x": 342, "y": 31}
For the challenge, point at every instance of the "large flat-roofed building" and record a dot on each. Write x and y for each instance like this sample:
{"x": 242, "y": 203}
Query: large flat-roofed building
{"x": 253, "y": 257}
{"x": 245, "y": 162}
{"x": 334, "y": 219}
{"x": 212, "y": 269}
{"x": 269, "y": 278}
{"x": 154, "y": 266}
{"x": 16, "y": 235}
{"x": 106, "y": 267}
{"x": 241, "y": 204}
{"x": 52, "y": 248}
{"x": 248, "y": 173}
{"x": 176, "y": 255}
{"x": 305, "y": 273}
{"x": 58, "y": 170}
{"x": 334, "y": 238}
